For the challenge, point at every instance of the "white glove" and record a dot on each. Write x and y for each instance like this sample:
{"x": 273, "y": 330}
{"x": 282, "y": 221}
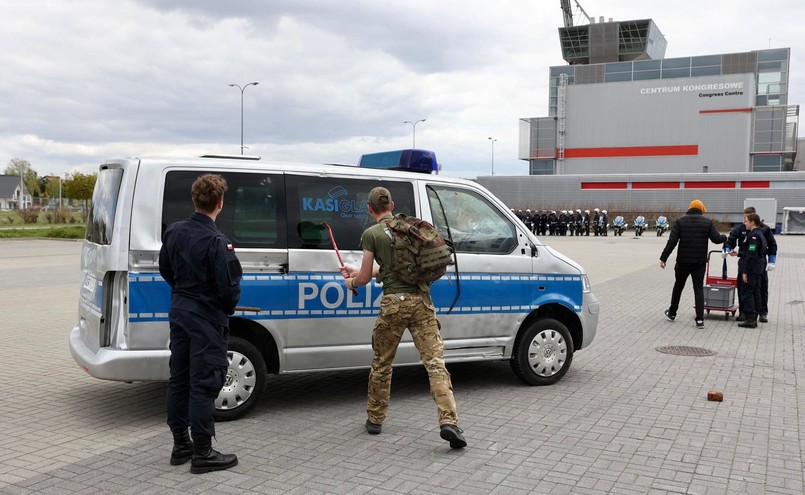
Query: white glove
{"x": 724, "y": 254}
{"x": 770, "y": 267}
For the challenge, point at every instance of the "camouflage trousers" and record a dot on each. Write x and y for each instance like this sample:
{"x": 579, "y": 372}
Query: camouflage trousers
{"x": 415, "y": 312}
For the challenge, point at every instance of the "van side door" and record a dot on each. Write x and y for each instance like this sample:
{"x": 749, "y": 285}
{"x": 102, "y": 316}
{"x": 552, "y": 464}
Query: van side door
{"x": 329, "y": 327}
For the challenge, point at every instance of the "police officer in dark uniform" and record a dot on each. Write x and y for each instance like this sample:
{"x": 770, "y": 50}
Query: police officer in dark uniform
{"x": 543, "y": 222}
{"x": 585, "y": 223}
{"x": 552, "y": 222}
{"x": 737, "y": 239}
{"x": 528, "y": 219}
{"x": 753, "y": 266}
{"x": 200, "y": 265}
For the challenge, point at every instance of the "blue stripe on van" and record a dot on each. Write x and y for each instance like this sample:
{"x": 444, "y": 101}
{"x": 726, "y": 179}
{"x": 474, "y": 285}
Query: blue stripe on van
{"x": 323, "y": 295}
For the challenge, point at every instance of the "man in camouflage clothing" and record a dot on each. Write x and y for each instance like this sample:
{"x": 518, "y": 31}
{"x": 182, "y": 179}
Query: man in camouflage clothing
{"x": 402, "y": 306}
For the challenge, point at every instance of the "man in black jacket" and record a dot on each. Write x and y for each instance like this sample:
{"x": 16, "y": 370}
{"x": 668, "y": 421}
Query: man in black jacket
{"x": 691, "y": 231}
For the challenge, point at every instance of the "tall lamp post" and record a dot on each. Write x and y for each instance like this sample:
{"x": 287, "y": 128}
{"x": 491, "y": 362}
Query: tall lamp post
{"x": 242, "y": 89}
{"x": 493, "y": 154}
{"x": 413, "y": 125}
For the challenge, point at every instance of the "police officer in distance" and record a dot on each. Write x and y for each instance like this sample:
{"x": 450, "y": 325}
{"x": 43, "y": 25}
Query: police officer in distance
{"x": 737, "y": 239}
{"x": 753, "y": 266}
{"x": 199, "y": 264}
{"x": 403, "y": 305}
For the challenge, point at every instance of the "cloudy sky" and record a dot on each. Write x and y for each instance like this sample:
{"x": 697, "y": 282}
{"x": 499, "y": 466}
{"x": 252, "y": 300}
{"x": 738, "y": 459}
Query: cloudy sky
{"x": 88, "y": 80}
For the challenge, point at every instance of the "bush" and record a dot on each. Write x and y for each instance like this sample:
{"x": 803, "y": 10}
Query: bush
{"x": 29, "y": 215}
{"x": 66, "y": 233}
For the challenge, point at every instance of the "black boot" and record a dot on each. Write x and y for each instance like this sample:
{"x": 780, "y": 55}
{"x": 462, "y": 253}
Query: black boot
{"x": 182, "y": 448}
{"x": 206, "y": 459}
{"x": 749, "y": 322}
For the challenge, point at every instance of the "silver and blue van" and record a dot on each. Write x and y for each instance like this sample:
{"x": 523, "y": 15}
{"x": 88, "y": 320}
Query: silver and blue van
{"x": 506, "y": 297}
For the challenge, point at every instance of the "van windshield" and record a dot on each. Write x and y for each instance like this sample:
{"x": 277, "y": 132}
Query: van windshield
{"x": 101, "y": 216}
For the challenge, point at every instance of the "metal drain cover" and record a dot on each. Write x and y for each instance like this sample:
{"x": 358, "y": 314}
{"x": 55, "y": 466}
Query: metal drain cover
{"x": 683, "y": 350}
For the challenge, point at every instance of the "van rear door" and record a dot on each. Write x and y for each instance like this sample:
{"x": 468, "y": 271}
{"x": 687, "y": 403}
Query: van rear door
{"x": 104, "y": 256}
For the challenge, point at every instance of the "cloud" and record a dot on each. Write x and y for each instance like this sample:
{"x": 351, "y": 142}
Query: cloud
{"x": 89, "y": 80}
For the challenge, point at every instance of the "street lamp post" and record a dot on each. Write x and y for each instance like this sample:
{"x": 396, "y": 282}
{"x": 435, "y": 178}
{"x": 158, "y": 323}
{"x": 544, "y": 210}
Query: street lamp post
{"x": 242, "y": 89}
{"x": 493, "y": 154}
{"x": 413, "y": 125}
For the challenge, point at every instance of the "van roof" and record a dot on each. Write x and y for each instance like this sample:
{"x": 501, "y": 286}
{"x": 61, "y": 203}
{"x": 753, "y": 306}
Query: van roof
{"x": 226, "y": 164}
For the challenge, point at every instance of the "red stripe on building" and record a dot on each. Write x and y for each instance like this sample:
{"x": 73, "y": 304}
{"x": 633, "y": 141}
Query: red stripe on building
{"x": 655, "y": 185}
{"x": 603, "y": 185}
{"x": 724, "y": 184}
{"x": 728, "y": 110}
{"x": 677, "y": 150}
{"x": 754, "y": 184}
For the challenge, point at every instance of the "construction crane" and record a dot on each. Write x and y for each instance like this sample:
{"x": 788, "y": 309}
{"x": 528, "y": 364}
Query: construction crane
{"x": 567, "y": 12}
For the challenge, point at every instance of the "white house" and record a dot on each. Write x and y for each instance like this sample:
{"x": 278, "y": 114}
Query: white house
{"x": 10, "y": 193}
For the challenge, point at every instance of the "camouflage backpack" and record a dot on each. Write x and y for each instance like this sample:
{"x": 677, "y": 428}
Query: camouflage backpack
{"x": 421, "y": 254}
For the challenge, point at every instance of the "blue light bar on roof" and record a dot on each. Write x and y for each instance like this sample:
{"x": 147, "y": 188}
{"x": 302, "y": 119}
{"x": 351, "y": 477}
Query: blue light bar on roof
{"x": 422, "y": 161}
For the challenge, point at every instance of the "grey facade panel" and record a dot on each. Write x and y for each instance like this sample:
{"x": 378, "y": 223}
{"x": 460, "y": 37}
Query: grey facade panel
{"x": 565, "y": 192}
{"x": 650, "y": 114}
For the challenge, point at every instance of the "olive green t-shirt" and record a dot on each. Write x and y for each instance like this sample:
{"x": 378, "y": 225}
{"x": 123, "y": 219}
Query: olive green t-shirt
{"x": 377, "y": 239}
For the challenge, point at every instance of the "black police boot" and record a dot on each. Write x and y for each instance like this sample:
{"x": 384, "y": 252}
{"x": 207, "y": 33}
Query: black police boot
{"x": 182, "y": 448}
{"x": 740, "y": 317}
{"x": 750, "y": 322}
{"x": 206, "y": 459}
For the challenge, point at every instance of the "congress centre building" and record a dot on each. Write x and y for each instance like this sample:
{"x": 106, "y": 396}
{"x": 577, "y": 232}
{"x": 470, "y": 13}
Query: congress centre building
{"x": 628, "y": 128}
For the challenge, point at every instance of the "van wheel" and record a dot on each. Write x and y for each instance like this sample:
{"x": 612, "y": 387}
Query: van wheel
{"x": 244, "y": 383}
{"x": 543, "y": 353}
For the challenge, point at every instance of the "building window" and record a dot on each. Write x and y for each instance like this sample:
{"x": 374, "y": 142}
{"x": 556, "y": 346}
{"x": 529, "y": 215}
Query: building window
{"x": 707, "y": 60}
{"x": 541, "y": 167}
{"x": 646, "y": 75}
{"x": 705, "y": 71}
{"x": 772, "y": 55}
{"x": 767, "y": 163}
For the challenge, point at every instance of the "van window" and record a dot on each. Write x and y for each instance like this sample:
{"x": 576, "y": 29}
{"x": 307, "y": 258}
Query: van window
{"x": 101, "y": 215}
{"x": 254, "y": 207}
{"x": 476, "y": 225}
{"x": 339, "y": 202}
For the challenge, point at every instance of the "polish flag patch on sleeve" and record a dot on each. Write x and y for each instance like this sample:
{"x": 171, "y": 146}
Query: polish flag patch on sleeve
{"x": 230, "y": 247}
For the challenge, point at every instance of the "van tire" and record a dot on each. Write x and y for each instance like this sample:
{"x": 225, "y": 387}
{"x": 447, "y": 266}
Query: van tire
{"x": 543, "y": 352}
{"x": 245, "y": 380}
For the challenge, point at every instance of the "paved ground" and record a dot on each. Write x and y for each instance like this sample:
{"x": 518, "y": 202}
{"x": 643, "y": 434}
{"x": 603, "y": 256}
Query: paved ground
{"x": 625, "y": 419}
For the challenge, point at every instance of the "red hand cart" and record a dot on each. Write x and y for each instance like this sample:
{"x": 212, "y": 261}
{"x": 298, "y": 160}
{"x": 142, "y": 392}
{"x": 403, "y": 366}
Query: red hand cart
{"x": 720, "y": 289}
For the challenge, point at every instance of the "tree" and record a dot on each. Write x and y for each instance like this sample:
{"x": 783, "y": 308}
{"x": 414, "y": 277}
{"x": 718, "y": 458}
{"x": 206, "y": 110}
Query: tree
{"x": 30, "y": 178}
{"x": 80, "y": 186}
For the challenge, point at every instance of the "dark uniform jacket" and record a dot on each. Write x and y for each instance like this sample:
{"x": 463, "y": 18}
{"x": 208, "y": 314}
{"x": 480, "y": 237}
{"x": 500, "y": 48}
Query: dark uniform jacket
{"x": 692, "y": 231}
{"x": 200, "y": 265}
{"x": 738, "y": 235}
{"x": 753, "y": 253}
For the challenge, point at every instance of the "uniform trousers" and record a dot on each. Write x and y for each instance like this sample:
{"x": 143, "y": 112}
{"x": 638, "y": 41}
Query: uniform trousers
{"x": 415, "y": 312}
{"x": 198, "y": 366}
{"x": 750, "y": 295}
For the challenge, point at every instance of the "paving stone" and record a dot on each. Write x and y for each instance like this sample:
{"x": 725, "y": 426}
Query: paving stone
{"x": 625, "y": 419}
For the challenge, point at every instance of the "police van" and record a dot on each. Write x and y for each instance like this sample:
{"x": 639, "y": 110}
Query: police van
{"x": 507, "y": 296}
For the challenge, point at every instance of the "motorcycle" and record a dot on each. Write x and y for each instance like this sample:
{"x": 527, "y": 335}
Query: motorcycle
{"x": 639, "y": 225}
{"x": 618, "y": 226}
{"x": 661, "y": 225}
